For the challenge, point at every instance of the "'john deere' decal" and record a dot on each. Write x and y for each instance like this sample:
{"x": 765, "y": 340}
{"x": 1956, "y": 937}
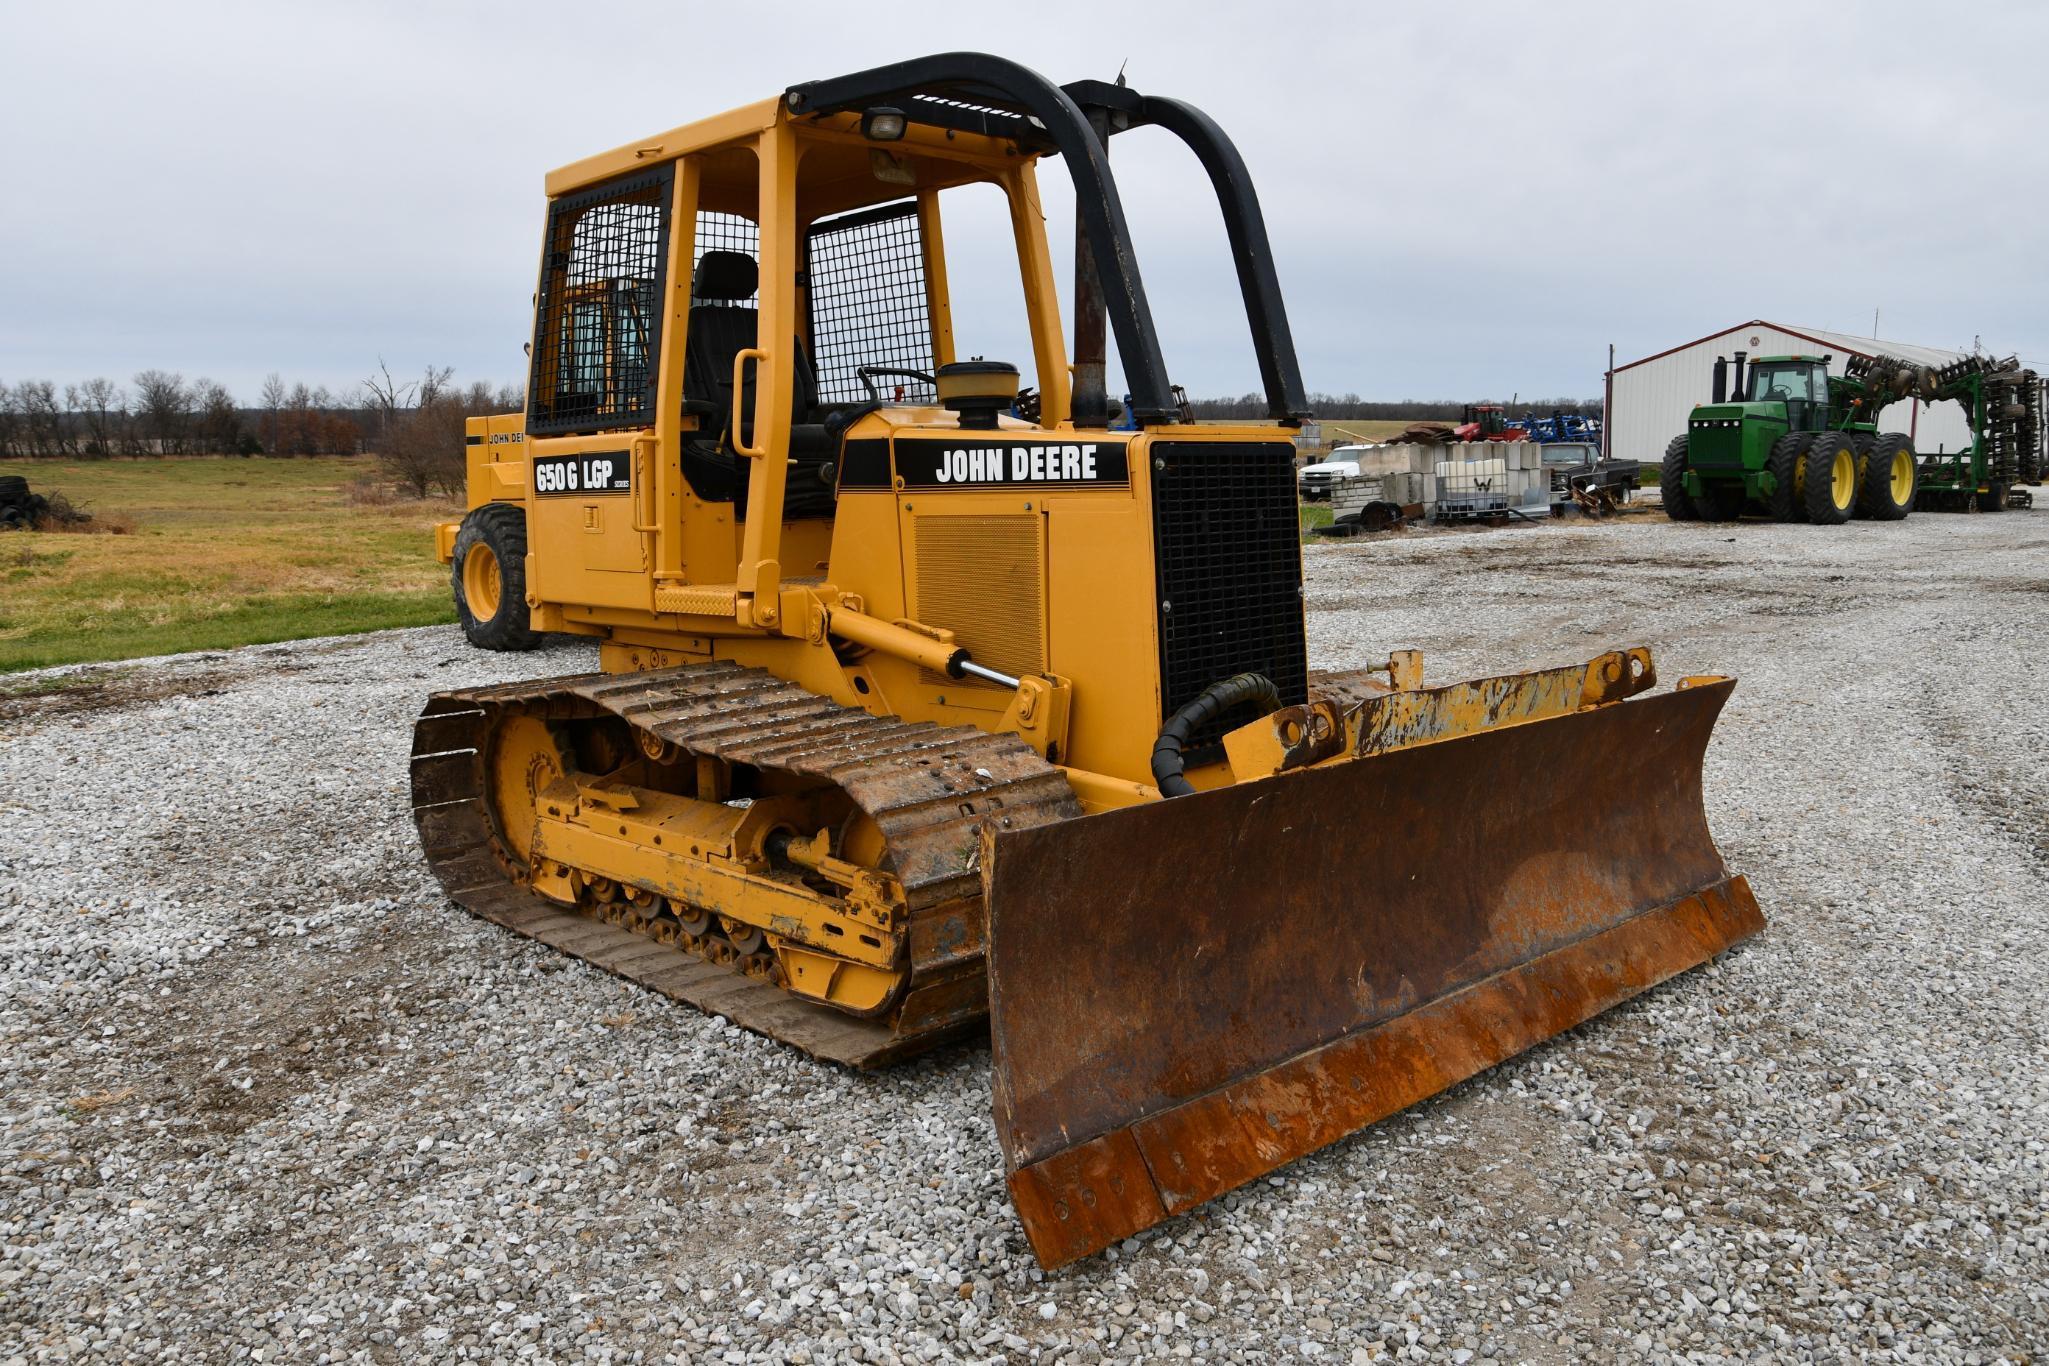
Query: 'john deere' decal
{"x": 1011, "y": 464}
{"x": 605, "y": 472}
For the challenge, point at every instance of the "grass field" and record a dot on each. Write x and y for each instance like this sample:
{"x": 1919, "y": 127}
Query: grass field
{"x": 224, "y": 552}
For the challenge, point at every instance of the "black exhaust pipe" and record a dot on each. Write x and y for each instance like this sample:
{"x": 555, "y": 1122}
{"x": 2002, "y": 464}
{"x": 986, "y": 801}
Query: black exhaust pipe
{"x": 1738, "y": 390}
{"x": 1721, "y": 389}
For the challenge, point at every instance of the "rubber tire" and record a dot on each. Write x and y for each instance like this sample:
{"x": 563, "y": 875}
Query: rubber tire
{"x": 1818, "y": 497}
{"x": 1720, "y": 503}
{"x": 502, "y": 528}
{"x": 1861, "y": 444}
{"x": 1993, "y": 499}
{"x": 1672, "y": 483}
{"x": 1874, "y": 491}
{"x": 1782, "y": 460}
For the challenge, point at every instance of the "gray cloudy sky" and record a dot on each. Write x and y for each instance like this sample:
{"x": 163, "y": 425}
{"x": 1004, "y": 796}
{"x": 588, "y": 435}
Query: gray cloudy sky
{"x": 1465, "y": 199}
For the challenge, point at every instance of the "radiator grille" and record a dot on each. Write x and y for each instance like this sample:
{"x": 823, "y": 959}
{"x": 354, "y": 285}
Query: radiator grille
{"x": 981, "y": 578}
{"x": 1227, "y": 545}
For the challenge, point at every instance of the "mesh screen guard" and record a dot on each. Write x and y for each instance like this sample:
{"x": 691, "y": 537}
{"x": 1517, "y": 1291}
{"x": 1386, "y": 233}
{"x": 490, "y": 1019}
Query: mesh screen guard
{"x": 598, "y": 317}
{"x": 866, "y": 278}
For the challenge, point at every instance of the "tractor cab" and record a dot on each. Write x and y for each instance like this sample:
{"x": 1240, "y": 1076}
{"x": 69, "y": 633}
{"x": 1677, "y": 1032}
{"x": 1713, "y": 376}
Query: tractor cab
{"x": 1799, "y": 382}
{"x": 1485, "y": 422}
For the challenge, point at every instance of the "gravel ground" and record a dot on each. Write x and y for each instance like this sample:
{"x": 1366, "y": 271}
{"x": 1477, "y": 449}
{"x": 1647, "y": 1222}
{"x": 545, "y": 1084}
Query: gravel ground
{"x": 265, "y": 1096}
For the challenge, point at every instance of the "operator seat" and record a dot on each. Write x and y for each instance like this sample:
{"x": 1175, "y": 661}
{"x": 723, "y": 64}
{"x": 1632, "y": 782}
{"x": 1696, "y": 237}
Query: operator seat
{"x": 720, "y": 328}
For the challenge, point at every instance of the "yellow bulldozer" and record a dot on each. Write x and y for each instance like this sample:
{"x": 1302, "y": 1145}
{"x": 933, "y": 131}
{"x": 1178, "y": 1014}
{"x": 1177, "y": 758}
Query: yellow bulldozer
{"x": 934, "y": 701}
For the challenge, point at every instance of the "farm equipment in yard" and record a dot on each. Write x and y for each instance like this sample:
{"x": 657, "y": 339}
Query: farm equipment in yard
{"x": 2003, "y": 403}
{"x": 916, "y": 716}
{"x": 1804, "y": 445}
{"x": 1486, "y": 422}
{"x": 1559, "y": 426}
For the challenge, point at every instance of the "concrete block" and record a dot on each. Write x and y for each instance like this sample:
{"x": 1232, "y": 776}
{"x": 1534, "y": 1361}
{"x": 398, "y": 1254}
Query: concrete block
{"x": 1383, "y": 459}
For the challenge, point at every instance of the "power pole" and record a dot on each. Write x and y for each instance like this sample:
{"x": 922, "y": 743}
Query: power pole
{"x": 1608, "y": 404}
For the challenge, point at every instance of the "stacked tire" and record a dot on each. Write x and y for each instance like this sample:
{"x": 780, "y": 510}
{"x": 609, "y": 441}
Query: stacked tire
{"x": 19, "y": 509}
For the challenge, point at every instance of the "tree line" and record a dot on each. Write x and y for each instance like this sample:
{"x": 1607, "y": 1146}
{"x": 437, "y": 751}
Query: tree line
{"x": 1338, "y": 407}
{"x": 414, "y": 427}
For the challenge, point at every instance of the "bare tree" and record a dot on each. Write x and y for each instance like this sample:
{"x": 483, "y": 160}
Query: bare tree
{"x": 43, "y": 418}
{"x": 98, "y": 404}
{"x": 273, "y": 408}
{"x": 433, "y": 382}
{"x": 217, "y": 421}
{"x": 10, "y": 421}
{"x": 426, "y": 450}
{"x": 388, "y": 396}
{"x": 163, "y": 407}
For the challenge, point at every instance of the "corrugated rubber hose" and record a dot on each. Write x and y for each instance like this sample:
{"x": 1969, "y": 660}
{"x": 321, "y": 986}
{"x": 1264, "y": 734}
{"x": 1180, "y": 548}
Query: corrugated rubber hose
{"x": 1208, "y": 705}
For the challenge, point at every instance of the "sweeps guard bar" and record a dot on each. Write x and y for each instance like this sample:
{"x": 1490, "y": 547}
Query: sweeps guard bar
{"x": 984, "y": 88}
{"x": 979, "y": 93}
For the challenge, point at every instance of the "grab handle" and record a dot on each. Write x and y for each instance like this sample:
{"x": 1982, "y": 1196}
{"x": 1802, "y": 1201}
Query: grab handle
{"x": 760, "y": 357}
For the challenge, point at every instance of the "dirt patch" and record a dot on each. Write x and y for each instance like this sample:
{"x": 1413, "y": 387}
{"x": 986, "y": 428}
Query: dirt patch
{"x": 67, "y": 695}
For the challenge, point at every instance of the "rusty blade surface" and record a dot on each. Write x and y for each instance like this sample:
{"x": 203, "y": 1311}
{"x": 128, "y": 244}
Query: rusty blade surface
{"x": 1186, "y": 995}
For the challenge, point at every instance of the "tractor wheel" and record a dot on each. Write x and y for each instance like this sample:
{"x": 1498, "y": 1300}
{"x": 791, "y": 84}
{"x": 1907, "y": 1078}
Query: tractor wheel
{"x": 1783, "y": 461}
{"x": 1719, "y": 502}
{"x": 1860, "y": 447}
{"x": 1993, "y": 499}
{"x": 1828, "y": 479}
{"x": 1672, "y": 483}
{"x": 1886, "y": 491}
{"x": 489, "y": 576}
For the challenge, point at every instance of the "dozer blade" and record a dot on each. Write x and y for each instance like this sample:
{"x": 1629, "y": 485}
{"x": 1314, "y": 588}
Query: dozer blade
{"x": 1188, "y": 994}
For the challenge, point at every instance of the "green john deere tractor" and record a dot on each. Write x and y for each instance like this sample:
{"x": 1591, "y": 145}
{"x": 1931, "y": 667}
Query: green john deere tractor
{"x": 1799, "y": 443}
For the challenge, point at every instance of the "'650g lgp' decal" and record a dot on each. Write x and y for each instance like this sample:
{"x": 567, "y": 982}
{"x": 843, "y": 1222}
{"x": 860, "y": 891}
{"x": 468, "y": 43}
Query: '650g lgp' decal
{"x": 605, "y": 472}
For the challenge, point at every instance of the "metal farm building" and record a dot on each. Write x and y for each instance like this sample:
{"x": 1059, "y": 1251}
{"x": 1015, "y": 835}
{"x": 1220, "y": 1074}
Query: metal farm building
{"x": 1648, "y": 399}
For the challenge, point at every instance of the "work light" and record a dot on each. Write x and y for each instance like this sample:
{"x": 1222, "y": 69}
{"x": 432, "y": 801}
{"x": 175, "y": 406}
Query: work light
{"x": 883, "y": 124}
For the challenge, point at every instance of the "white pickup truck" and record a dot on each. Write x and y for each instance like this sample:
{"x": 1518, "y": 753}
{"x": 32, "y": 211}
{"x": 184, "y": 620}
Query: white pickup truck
{"x": 1314, "y": 482}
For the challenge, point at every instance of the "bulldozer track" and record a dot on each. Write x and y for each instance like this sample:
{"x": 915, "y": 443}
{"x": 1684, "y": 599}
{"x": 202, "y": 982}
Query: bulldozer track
{"x": 930, "y": 789}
